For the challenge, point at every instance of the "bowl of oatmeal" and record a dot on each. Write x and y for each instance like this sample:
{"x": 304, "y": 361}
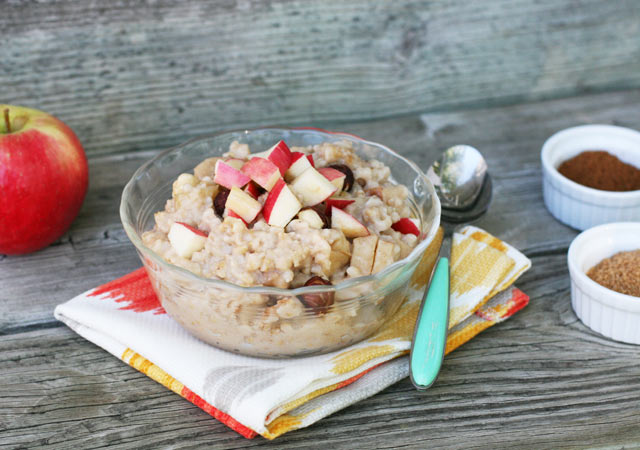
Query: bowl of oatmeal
{"x": 281, "y": 242}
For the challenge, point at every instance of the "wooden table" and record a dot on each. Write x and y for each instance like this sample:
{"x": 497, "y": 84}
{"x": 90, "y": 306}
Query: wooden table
{"x": 541, "y": 379}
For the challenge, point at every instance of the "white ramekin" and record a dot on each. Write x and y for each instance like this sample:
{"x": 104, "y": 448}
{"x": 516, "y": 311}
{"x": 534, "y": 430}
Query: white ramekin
{"x": 614, "y": 315}
{"x": 579, "y": 206}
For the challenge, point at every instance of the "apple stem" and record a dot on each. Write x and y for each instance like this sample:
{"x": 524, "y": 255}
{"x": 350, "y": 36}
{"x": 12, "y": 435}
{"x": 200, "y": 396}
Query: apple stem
{"x": 6, "y": 120}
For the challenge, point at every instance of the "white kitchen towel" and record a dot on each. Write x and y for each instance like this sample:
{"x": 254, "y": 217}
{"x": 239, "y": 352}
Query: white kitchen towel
{"x": 272, "y": 397}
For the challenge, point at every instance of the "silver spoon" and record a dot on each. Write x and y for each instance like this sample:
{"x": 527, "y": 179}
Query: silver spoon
{"x": 464, "y": 187}
{"x": 462, "y": 183}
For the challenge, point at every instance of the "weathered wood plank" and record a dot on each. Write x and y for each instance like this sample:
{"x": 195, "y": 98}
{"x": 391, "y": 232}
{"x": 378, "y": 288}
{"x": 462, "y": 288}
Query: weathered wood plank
{"x": 540, "y": 379}
{"x": 97, "y": 250}
{"x": 137, "y": 75}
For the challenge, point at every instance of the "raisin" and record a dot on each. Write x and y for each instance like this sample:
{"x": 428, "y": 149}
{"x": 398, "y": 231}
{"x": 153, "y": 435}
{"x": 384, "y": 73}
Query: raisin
{"x": 220, "y": 201}
{"x": 320, "y": 301}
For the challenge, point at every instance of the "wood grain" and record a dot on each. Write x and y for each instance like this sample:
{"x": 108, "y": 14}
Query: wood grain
{"x": 142, "y": 75}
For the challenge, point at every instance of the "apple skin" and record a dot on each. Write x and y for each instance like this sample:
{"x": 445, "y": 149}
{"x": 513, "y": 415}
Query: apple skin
{"x": 407, "y": 226}
{"x": 341, "y": 203}
{"x": 43, "y": 179}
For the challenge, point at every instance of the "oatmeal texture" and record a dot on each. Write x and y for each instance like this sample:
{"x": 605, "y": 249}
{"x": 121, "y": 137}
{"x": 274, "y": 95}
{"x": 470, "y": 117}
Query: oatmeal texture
{"x": 258, "y": 254}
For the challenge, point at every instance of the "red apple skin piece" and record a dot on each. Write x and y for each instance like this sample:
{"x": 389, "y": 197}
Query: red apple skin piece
{"x": 253, "y": 189}
{"x": 312, "y": 188}
{"x": 335, "y": 176}
{"x": 341, "y": 203}
{"x": 310, "y": 158}
{"x": 242, "y": 205}
{"x": 406, "y": 226}
{"x": 229, "y": 177}
{"x": 262, "y": 171}
{"x": 193, "y": 229}
{"x": 349, "y": 225}
{"x": 234, "y": 215}
{"x": 185, "y": 239}
{"x": 271, "y": 205}
{"x": 43, "y": 179}
{"x": 299, "y": 163}
{"x": 281, "y": 156}
{"x": 235, "y": 163}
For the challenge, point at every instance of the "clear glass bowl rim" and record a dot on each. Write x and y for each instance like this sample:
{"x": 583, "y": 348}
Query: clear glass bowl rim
{"x": 417, "y": 252}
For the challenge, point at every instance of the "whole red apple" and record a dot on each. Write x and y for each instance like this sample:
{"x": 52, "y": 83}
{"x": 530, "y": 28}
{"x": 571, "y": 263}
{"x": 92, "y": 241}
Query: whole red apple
{"x": 43, "y": 179}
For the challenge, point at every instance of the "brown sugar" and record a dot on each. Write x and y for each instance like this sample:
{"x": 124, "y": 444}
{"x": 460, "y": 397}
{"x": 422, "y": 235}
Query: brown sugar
{"x": 601, "y": 170}
{"x": 620, "y": 273}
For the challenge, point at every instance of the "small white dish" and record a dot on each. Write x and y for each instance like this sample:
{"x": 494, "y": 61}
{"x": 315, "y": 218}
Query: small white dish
{"x": 583, "y": 207}
{"x": 610, "y": 313}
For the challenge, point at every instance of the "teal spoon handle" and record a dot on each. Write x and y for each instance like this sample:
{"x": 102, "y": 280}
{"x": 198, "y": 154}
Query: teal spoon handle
{"x": 430, "y": 335}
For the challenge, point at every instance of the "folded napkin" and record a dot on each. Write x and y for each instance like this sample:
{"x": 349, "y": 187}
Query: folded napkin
{"x": 271, "y": 397}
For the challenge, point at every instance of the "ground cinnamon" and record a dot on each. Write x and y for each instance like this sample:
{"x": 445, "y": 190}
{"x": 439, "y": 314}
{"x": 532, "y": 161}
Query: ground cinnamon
{"x": 620, "y": 273}
{"x": 601, "y": 170}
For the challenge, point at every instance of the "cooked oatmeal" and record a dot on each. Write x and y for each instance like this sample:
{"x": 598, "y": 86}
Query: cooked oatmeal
{"x": 259, "y": 254}
{"x": 287, "y": 217}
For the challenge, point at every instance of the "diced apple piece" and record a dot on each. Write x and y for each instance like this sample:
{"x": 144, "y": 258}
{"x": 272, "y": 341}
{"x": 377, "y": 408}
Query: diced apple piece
{"x": 340, "y": 254}
{"x": 264, "y": 154}
{"x": 253, "y": 189}
{"x": 312, "y": 218}
{"x": 337, "y": 260}
{"x": 281, "y": 156}
{"x": 262, "y": 171}
{"x": 299, "y": 163}
{"x": 281, "y": 205}
{"x": 312, "y": 188}
{"x": 364, "y": 250}
{"x": 192, "y": 229}
{"x": 243, "y": 204}
{"x": 229, "y": 213}
{"x": 349, "y": 225}
{"x": 206, "y": 168}
{"x": 384, "y": 256}
{"x": 348, "y": 173}
{"x": 341, "y": 244}
{"x": 185, "y": 239}
{"x": 407, "y": 226}
{"x": 228, "y": 176}
{"x": 341, "y": 203}
{"x": 235, "y": 163}
{"x": 310, "y": 158}
{"x": 335, "y": 176}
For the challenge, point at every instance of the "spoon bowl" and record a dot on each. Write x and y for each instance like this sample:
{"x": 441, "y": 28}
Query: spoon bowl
{"x": 458, "y": 176}
{"x": 476, "y": 210}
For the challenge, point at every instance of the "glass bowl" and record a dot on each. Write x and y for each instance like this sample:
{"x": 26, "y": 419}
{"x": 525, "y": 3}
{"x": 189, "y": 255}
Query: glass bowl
{"x": 241, "y": 319}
